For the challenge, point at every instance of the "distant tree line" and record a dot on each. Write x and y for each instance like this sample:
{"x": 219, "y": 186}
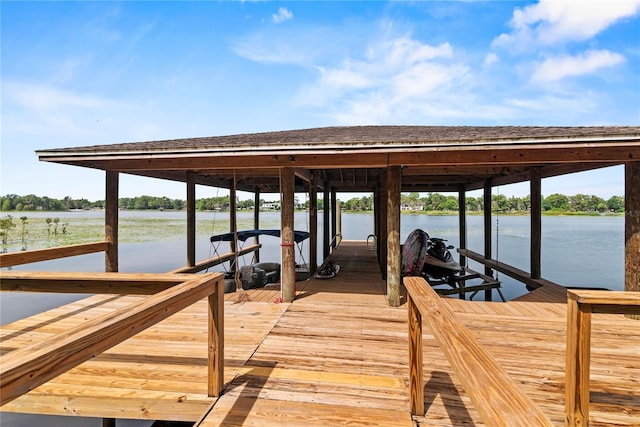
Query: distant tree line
{"x": 434, "y": 202}
{"x": 409, "y": 202}
{"x": 31, "y": 202}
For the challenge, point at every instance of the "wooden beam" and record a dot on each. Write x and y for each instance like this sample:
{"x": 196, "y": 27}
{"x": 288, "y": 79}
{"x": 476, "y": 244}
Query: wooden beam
{"x": 313, "y": 223}
{"x": 462, "y": 223}
{"x": 24, "y": 369}
{"x": 191, "y": 219}
{"x": 382, "y": 237}
{"x": 632, "y": 227}
{"x": 394, "y": 177}
{"x": 334, "y": 218}
{"x": 84, "y": 283}
{"x": 487, "y": 224}
{"x": 256, "y": 223}
{"x": 304, "y": 174}
{"x": 416, "y": 375}
{"x": 208, "y": 263}
{"x": 111, "y": 221}
{"x": 511, "y": 271}
{"x": 495, "y": 395}
{"x": 11, "y": 259}
{"x": 233, "y": 228}
{"x": 536, "y": 223}
{"x": 545, "y": 152}
{"x": 215, "y": 359}
{"x": 326, "y": 225}
{"x": 288, "y": 282}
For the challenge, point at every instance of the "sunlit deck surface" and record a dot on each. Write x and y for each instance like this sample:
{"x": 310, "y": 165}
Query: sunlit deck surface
{"x": 338, "y": 355}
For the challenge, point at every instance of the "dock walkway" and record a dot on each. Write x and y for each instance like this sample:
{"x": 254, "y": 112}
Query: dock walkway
{"x": 338, "y": 355}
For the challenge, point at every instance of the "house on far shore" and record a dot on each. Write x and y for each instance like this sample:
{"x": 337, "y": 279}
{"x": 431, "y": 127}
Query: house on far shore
{"x": 411, "y": 208}
{"x": 270, "y": 206}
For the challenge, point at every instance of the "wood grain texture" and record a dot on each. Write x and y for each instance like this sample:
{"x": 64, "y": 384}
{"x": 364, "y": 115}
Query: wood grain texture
{"x": 26, "y": 257}
{"x": 89, "y": 283}
{"x": 338, "y": 348}
{"x": 483, "y": 377}
{"x": 416, "y": 378}
{"x": 29, "y": 367}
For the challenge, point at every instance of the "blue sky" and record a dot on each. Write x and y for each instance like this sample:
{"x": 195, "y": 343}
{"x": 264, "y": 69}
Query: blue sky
{"x": 83, "y": 73}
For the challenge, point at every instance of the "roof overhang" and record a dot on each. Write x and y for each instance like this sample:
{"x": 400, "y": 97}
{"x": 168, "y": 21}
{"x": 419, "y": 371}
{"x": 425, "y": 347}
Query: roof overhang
{"x": 351, "y": 158}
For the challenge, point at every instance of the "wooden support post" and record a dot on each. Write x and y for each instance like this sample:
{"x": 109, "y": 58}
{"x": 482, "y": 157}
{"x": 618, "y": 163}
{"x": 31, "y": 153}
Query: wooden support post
{"x": 382, "y": 242}
{"x": 256, "y": 222}
{"x": 576, "y": 406}
{"x": 462, "y": 223}
{"x": 108, "y": 422}
{"x": 536, "y": 222}
{"x": 394, "y": 176}
{"x": 191, "y": 219}
{"x": 338, "y": 223}
{"x": 416, "y": 379}
{"x": 326, "y": 216}
{"x": 487, "y": 225}
{"x": 632, "y": 229}
{"x": 287, "y": 189}
{"x": 376, "y": 220}
{"x": 233, "y": 227}
{"x": 111, "y": 221}
{"x": 215, "y": 378}
{"x": 313, "y": 223}
{"x": 334, "y": 218}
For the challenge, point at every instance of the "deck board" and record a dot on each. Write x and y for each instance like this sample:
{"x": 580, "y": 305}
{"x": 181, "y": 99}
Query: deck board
{"x": 337, "y": 355}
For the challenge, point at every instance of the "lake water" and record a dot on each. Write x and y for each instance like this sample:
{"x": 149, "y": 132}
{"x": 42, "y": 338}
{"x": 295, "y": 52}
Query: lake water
{"x": 576, "y": 251}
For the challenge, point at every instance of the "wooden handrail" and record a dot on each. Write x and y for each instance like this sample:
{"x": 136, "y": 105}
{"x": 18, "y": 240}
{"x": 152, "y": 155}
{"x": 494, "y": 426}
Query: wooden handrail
{"x": 24, "y": 369}
{"x": 203, "y": 265}
{"x": 12, "y": 259}
{"x": 495, "y": 395}
{"x": 88, "y": 283}
{"x": 511, "y": 271}
{"x": 580, "y": 305}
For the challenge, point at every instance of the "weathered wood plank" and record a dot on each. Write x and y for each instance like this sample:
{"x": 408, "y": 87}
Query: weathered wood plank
{"x": 90, "y": 283}
{"x": 215, "y": 317}
{"x": 338, "y": 345}
{"x": 228, "y": 256}
{"x": 580, "y": 306}
{"x": 288, "y": 277}
{"x": 416, "y": 379}
{"x": 11, "y": 259}
{"x": 394, "y": 263}
{"x": 516, "y": 273}
{"x": 484, "y": 379}
{"x": 25, "y": 369}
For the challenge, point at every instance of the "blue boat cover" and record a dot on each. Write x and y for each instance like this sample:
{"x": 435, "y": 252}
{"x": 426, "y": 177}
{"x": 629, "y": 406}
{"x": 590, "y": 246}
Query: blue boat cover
{"x": 298, "y": 236}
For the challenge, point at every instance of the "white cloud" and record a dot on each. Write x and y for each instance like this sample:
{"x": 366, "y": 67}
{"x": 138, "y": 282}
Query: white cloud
{"x": 552, "y": 21}
{"x": 44, "y": 109}
{"x": 392, "y": 79}
{"x": 283, "y": 15}
{"x": 557, "y": 68}
{"x": 490, "y": 59}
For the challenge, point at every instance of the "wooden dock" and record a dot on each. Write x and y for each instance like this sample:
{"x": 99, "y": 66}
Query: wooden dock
{"x": 337, "y": 355}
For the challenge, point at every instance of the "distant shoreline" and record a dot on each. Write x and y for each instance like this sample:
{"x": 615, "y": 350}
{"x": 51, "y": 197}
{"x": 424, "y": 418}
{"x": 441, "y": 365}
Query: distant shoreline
{"x": 432, "y": 213}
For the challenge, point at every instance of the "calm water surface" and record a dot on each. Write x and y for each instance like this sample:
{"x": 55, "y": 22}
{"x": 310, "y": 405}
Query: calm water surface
{"x": 577, "y": 251}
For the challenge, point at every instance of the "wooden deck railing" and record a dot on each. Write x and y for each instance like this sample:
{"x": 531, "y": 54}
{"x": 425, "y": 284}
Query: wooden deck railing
{"x": 26, "y": 368}
{"x": 228, "y": 256}
{"x": 11, "y": 259}
{"x": 580, "y": 305}
{"x": 511, "y": 271}
{"x": 493, "y": 392}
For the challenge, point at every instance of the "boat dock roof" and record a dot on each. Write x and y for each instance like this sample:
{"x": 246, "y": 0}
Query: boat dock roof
{"x": 337, "y": 355}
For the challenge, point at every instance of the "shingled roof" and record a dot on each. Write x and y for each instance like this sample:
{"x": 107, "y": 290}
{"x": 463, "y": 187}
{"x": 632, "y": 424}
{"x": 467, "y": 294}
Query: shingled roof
{"x": 434, "y": 158}
{"x": 346, "y": 136}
